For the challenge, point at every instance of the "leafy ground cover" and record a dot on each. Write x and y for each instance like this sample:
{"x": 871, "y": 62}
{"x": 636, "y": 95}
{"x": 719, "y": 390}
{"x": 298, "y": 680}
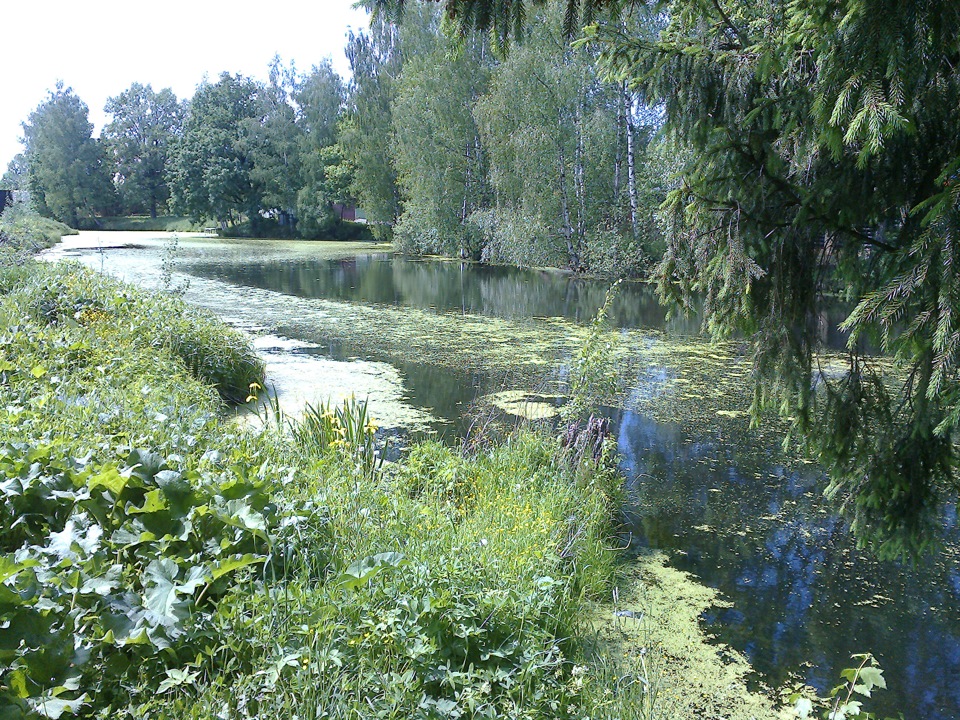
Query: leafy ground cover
{"x": 126, "y": 514}
{"x": 158, "y": 561}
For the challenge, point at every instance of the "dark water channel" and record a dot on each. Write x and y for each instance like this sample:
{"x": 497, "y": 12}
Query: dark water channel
{"x": 723, "y": 502}
{"x": 725, "y": 506}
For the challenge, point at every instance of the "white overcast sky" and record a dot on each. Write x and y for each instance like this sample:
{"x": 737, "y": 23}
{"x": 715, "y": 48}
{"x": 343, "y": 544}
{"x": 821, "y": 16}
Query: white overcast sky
{"x": 99, "y": 48}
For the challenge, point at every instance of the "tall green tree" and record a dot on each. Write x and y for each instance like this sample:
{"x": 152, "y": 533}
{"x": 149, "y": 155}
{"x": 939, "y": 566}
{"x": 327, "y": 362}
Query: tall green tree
{"x": 327, "y": 171}
{"x": 16, "y": 177}
{"x": 145, "y": 126}
{"x": 820, "y": 155}
{"x": 553, "y": 133}
{"x": 821, "y": 146}
{"x": 375, "y": 61}
{"x": 440, "y": 161}
{"x": 66, "y": 168}
{"x": 271, "y": 140}
{"x": 211, "y": 174}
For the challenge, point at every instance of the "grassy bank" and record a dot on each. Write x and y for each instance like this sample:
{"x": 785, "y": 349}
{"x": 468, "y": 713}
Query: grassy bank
{"x": 24, "y": 233}
{"x": 164, "y": 223}
{"x": 158, "y": 561}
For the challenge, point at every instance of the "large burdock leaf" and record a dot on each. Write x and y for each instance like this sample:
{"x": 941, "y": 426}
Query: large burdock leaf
{"x": 72, "y": 538}
{"x": 176, "y": 489}
{"x": 164, "y": 588}
{"x": 10, "y": 566}
{"x": 153, "y": 502}
{"x": 366, "y": 569}
{"x": 239, "y": 514}
{"x": 109, "y": 478}
{"x": 225, "y": 567}
{"x": 160, "y": 596}
{"x": 52, "y": 707}
{"x": 144, "y": 464}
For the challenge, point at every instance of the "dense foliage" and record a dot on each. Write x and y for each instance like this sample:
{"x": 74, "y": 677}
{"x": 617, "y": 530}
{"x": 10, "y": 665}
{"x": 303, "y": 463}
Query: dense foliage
{"x": 528, "y": 158}
{"x": 145, "y": 126}
{"x": 125, "y": 515}
{"x": 804, "y": 151}
{"x": 447, "y": 146}
{"x": 211, "y": 173}
{"x": 24, "y": 233}
{"x": 66, "y": 170}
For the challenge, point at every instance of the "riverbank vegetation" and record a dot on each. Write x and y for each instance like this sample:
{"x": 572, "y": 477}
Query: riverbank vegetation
{"x": 163, "y": 223}
{"x": 160, "y": 561}
{"x": 24, "y": 233}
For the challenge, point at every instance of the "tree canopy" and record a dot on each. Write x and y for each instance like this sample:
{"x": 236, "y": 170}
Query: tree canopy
{"x": 66, "y": 169}
{"x": 820, "y": 159}
{"x": 139, "y": 139}
{"x": 211, "y": 171}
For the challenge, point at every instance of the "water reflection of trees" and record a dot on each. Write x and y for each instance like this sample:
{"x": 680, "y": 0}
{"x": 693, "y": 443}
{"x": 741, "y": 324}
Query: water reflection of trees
{"x": 445, "y": 286}
{"x": 451, "y": 287}
{"x": 801, "y": 593}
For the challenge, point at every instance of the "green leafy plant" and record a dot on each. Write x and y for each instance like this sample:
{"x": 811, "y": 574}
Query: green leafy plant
{"x": 109, "y": 567}
{"x": 843, "y": 702}
{"x": 347, "y": 429}
{"x": 592, "y": 380}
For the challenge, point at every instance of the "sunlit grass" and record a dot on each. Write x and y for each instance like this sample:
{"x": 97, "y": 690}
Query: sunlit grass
{"x": 444, "y": 585}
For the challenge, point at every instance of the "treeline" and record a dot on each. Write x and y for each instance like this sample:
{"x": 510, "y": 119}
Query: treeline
{"x": 449, "y": 146}
{"x": 526, "y": 157}
{"x": 246, "y": 155}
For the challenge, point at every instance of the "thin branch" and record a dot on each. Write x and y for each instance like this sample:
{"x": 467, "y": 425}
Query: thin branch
{"x": 730, "y": 24}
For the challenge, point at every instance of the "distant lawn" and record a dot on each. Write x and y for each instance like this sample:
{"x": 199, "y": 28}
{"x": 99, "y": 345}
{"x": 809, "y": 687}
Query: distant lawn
{"x": 164, "y": 223}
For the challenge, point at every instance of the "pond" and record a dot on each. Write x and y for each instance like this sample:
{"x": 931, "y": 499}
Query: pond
{"x": 429, "y": 342}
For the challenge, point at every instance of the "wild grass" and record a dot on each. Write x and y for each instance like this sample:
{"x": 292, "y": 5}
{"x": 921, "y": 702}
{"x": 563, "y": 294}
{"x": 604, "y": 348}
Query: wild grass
{"x": 109, "y": 315}
{"x": 23, "y": 233}
{"x": 283, "y": 573}
{"x": 443, "y": 587}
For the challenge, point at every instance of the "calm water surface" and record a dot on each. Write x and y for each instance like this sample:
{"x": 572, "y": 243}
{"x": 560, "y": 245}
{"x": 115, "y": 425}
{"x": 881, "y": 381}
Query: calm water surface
{"x": 723, "y": 502}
